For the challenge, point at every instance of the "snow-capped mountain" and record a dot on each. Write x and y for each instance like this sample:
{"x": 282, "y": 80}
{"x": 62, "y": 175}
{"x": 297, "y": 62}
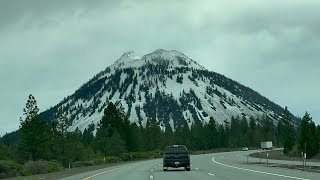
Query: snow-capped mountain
{"x": 164, "y": 85}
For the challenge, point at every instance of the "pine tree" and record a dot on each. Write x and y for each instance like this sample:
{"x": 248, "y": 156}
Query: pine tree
{"x": 226, "y": 138}
{"x": 213, "y": 133}
{"x": 314, "y": 144}
{"x": 133, "y": 138}
{"x": 198, "y": 141}
{"x": 235, "y": 132}
{"x": 75, "y": 150}
{"x": 4, "y": 152}
{"x": 62, "y": 122}
{"x": 222, "y": 136}
{"x": 152, "y": 135}
{"x": 31, "y": 110}
{"x": 288, "y": 131}
{"x": 244, "y": 140}
{"x": 34, "y": 134}
{"x": 87, "y": 136}
{"x": 115, "y": 145}
{"x": 318, "y": 137}
{"x": 252, "y": 128}
{"x": 167, "y": 138}
{"x": 308, "y": 136}
{"x": 267, "y": 127}
{"x": 114, "y": 121}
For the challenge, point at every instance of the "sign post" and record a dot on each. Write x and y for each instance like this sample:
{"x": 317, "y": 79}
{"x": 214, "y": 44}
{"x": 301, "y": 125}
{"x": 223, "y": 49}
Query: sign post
{"x": 305, "y": 160}
{"x": 302, "y": 159}
{"x": 267, "y": 159}
{"x": 247, "y": 159}
{"x": 260, "y": 156}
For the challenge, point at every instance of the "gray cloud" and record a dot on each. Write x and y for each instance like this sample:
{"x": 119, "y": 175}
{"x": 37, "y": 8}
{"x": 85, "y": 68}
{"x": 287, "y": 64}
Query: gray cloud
{"x": 50, "y": 48}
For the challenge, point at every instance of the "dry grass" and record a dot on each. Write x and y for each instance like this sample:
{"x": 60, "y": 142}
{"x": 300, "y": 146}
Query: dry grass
{"x": 66, "y": 173}
{"x": 278, "y": 155}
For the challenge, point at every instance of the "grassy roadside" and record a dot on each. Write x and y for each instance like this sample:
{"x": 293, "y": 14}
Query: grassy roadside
{"x": 278, "y": 155}
{"x": 80, "y": 170}
{"x": 70, "y": 172}
{"x": 217, "y": 150}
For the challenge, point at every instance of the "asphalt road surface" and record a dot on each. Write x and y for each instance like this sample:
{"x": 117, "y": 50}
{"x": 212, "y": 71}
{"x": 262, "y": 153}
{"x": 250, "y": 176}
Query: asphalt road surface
{"x": 220, "y": 166}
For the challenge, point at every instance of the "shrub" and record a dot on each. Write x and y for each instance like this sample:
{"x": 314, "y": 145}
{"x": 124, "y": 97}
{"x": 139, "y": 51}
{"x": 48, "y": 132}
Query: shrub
{"x": 54, "y": 166}
{"x": 82, "y": 164}
{"x": 37, "y": 167}
{"x": 140, "y": 155}
{"x": 98, "y": 161}
{"x": 125, "y": 157}
{"x": 112, "y": 159}
{"x": 108, "y": 160}
{"x": 12, "y": 169}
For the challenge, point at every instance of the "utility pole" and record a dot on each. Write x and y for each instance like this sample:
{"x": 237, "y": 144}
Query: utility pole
{"x": 274, "y": 135}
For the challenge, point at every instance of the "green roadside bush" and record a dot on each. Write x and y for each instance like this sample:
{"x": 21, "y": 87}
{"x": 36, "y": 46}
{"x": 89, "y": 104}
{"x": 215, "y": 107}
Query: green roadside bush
{"x": 98, "y": 161}
{"x": 37, "y": 167}
{"x": 43, "y": 167}
{"x": 55, "y": 166}
{"x": 109, "y": 160}
{"x": 112, "y": 159}
{"x": 140, "y": 155}
{"x": 81, "y": 164}
{"x": 12, "y": 169}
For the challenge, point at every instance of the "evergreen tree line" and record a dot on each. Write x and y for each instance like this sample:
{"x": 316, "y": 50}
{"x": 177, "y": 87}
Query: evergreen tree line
{"x": 116, "y": 136}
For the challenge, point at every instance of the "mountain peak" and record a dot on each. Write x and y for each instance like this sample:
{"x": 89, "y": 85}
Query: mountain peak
{"x": 127, "y": 57}
{"x": 167, "y": 54}
{"x": 172, "y": 57}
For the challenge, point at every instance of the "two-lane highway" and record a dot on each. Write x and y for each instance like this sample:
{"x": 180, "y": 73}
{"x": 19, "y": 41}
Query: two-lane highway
{"x": 223, "y": 166}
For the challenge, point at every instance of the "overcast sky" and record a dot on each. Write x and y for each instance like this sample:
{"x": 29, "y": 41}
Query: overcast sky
{"x": 50, "y": 48}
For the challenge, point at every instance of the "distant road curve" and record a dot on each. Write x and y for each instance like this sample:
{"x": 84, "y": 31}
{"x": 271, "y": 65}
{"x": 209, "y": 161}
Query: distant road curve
{"x": 221, "y": 166}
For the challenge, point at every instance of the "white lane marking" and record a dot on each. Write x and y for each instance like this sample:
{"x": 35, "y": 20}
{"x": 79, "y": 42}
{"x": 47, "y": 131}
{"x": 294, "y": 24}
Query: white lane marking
{"x": 102, "y": 173}
{"x": 261, "y": 172}
{"x": 151, "y": 177}
{"x": 197, "y": 169}
{"x": 151, "y": 170}
{"x": 211, "y": 174}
